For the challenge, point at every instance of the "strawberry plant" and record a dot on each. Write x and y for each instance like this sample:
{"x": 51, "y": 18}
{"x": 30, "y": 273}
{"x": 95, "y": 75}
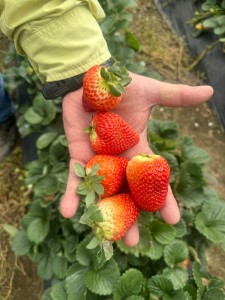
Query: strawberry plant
{"x": 211, "y": 17}
{"x": 169, "y": 261}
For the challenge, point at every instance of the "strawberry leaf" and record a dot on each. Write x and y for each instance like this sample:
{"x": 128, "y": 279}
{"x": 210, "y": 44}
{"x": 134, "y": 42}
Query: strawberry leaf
{"x": 102, "y": 281}
{"x": 163, "y": 233}
{"x": 38, "y": 230}
{"x": 96, "y": 217}
{"x": 98, "y": 188}
{"x": 21, "y": 245}
{"x": 116, "y": 89}
{"x": 87, "y": 257}
{"x": 160, "y": 286}
{"x": 129, "y": 284}
{"x": 93, "y": 243}
{"x": 177, "y": 276}
{"x": 58, "y": 291}
{"x": 90, "y": 198}
{"x": 175, "y": 253}
{"x": 192, "y": 153}
{"x": 59, "y": 263}
{"x": 104, "y": 74}
{"x": 156, "y": 250}
{"x": 107, "y": 248}
{"x": 74, "y": 282}
{"x": 211, "y": 221}
{"x": 79, "y": 170}
{"x": 94, "y": 169}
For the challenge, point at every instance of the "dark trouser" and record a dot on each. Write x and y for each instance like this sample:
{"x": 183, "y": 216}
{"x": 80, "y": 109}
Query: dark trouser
{"x": 6, "y": 105}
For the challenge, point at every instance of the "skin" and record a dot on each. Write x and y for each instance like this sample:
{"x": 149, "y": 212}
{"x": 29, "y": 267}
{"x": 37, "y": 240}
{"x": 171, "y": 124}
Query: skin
{"x": 135, "y": 108}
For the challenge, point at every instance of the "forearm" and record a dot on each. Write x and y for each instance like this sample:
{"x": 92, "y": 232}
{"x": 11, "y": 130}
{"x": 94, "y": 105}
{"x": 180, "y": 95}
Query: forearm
{"x": 60, "y": 38}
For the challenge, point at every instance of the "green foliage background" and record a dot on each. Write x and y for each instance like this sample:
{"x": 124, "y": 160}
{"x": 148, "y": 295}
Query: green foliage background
{"x": 169, "y": 262}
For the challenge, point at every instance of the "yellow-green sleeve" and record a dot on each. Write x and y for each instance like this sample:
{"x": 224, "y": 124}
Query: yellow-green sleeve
{"x": 61, "y": 38}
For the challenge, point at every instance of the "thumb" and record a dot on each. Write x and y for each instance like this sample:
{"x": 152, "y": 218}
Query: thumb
{"x": 70, "y": 200}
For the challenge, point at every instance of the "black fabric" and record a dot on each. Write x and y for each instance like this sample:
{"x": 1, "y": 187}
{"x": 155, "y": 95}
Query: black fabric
{"x": 178, "y": 13}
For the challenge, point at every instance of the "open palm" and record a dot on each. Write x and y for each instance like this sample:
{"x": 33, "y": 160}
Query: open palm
{"x": 142, "y": 94}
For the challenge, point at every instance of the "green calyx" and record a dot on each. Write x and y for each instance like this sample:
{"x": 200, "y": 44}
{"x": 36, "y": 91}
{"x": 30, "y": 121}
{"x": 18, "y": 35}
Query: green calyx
{"x": 90, "y": 188}
{"x": 116, "y": 77}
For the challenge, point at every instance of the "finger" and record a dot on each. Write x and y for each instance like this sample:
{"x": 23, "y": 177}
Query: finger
{"x": 170, "y": 212}
{"x": 182, "y": 95}
{"x": 70, "y": 200}
{"x": 131, "y": 238}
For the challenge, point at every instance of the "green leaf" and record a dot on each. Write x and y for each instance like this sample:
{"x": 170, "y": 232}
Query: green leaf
{"x": 46, "y": 139}
{"x": 37, "y": 230}
{"x": 47, "y": 294}
{"x": 197, "y": 274}
{"x": 192, "y": 153}
{"x": 88, "y": 257}
{"x": 45, "y": 267}
{"x": 164, "y": 129}
{"x": 90, "y": 198}
{"x": 58, "y": 291}
{"x": 181, "y": 228}
{"x": 11, "y": 230}
{"x": 129, "y": 284}
{"x": 132, "y": 41}
{"x": 175, "y": 253}
{"x": 79, "y": 170}
{"x": 32, "y": 117}
{"x": 177, "y": 276}
{"x": 135, "y": 297}
{"x": 160, "y": 286}
{"x": 178, "y": 295}
{"x": 47, "y": 185}
{"x": 210, "y": 22}
{"x": 44, "y": 108}
{"x": 93, "y": 243}
{"x": 21, "y": 245}
{"x": 155, "y": 251}
{"x": 94, "y": 169}
{"x": 102, "y": 281}
{"x": 214, "y": 293}
{"x": 58, "y": 153}
{"x": 98, "y": 188}
{"x": 75, "y": 284}
{"x": 211, "y": 221}
{"x": 59, "y": 265}
{"x": 97, "y": 216}
{"x": 162, "y": 232}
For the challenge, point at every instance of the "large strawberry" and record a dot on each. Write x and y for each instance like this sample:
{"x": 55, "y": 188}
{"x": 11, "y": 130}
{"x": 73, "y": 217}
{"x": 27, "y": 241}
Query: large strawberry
{"x": 148, "y": 178}
{"x": 103, "y": 87}
{"x": 119, "y": 213}
{"x": 110, "y": 134}
{"x": 114, "y": 170}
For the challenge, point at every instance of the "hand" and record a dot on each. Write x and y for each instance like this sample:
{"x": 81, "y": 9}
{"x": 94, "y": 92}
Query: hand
{"x": 142, "y": 94}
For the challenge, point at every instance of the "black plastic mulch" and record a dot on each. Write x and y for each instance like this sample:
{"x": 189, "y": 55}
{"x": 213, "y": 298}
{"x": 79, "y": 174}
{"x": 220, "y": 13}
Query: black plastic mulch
{"x": 179, "y": 13}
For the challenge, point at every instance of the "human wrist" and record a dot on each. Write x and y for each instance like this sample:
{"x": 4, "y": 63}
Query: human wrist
{"x": 60, "y": 88}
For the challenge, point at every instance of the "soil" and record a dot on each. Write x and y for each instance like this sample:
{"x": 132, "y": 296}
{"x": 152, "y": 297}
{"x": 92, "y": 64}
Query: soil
{"x": 167, "y": 55}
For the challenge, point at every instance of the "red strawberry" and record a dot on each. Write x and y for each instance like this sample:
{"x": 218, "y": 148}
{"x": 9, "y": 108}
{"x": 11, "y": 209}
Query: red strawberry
{"x": 103, "y": 87}
{"x": 148, "y": 178}
{"x": 114, "y": 169}
{"x": 119, "y": 213}
{"x": 110, "y": 134}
